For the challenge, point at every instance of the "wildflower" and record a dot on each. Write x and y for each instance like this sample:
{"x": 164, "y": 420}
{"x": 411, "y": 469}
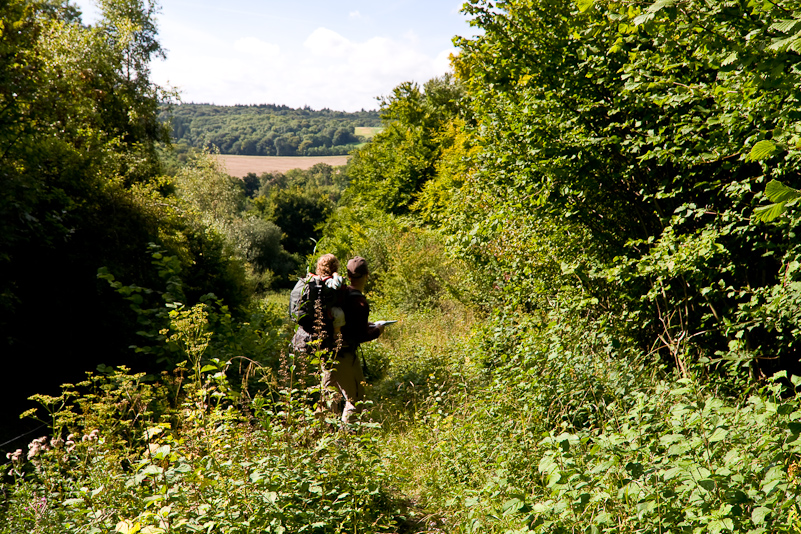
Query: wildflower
{"x": 16, "y": 458}
{"x": 36, "y": 446}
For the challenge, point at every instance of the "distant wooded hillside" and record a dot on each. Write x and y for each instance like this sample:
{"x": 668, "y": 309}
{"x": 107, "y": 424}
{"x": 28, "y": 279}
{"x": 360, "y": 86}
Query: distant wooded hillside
{"x": 267, "y": 129}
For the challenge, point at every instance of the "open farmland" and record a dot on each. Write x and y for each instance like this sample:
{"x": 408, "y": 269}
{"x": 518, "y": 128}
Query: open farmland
{"x": 241, "y": 165}
{"x": 368, "y": 131}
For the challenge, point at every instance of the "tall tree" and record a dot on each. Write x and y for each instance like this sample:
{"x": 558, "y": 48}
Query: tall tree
{"x": 80, "y": 188}
{"x": 391, "y": 171}
{"x": 624, "y": 147}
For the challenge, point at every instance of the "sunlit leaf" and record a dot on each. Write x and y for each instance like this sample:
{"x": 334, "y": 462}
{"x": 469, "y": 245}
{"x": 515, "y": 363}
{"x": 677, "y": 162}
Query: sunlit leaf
{"x": 781, "y": 44}
{"x": 778, "y": 192}
{"x": 731, "y": 58}
{"x": 656, "y": 6}
{"x": 785, "y": 26}
{"x": 719, "y": 434}
{"x": 769, "y": 212}
{"x": 759, "y": 514}
{"x": 763, "y": 149}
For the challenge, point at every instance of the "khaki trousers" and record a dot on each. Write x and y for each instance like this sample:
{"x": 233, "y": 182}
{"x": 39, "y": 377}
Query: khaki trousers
{"x": 346, "y": 377}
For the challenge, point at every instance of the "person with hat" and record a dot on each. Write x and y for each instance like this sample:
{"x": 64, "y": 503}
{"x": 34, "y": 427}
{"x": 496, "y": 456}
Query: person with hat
{"x": 346, "y": 375}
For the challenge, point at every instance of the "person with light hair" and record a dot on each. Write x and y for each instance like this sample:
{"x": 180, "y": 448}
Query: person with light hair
{"x": 315, "y": 303}
{"x": 327, "y": 267}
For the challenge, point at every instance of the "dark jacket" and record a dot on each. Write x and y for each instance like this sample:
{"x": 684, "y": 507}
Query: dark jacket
{"x": 358, "y": 329}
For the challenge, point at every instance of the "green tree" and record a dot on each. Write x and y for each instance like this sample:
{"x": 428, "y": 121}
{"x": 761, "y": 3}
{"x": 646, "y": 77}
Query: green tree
{"x": 622, "y": 146}
{"x": 80, "y": 168}
{"x": 392, "y": 169}
{"x": 299, "y": 213}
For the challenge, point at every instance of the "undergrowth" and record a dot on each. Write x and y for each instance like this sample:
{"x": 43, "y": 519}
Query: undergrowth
{"x": 572, "y": 435}
{"x": 131, "y": 457}
{"x": 511, "y": 423}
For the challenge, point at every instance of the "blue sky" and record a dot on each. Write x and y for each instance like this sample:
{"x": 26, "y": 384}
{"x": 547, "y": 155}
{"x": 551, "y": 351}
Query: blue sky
{"x": 339, "y": 55}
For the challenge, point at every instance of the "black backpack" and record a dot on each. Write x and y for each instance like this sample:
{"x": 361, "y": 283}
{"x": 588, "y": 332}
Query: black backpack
{"x": 306, "y": 293}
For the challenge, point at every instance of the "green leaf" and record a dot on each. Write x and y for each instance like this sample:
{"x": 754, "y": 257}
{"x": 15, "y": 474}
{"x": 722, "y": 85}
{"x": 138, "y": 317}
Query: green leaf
{"x": 127, "y": 527}
{"x": 778, "y": 192}
{"x": 512, "y": 506}
{"x": 759, "y": 514}
{"x": 584, "y": 5}
{"x": 719, "y": 434}
{"x": 671, "y": 438}
{"x": 731, "y": 58}
{"x": 782, "y": 44}
{"x": 707, "y": 484}
{"x": 656, "y": 6}
{"x": 151, "y": 470}
{"x": 715, "y": 526}
{"x": 763, "y": 149}
{"x": 646, "y": 507}
{"x": 785, "y": 26}
{"x": 183, "y": 468}
{"x": 735, "y": 496}
{"x": 161, "y": 452}
{"x": 769, "y": 212}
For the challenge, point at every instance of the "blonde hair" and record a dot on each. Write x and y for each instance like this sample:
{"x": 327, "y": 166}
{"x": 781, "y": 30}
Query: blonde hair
{"x": 327, "y": 265}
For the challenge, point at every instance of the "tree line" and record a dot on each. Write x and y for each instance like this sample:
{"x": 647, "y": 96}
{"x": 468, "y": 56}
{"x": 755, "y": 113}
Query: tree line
{"x": 267, "y": 129}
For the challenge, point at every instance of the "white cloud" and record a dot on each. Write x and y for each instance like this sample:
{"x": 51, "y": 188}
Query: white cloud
{"x": 411, "y": 36}
{"x": 212, "y": 57}
{"x": 326, "y": 43}
{"x": 256, "y": 47}
{"x": 442, "y": 62}
{"x": 327, "y": 70}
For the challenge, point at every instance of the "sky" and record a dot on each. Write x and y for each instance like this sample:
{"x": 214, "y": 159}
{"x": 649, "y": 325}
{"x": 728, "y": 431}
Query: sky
{"x": 317, "y": 53}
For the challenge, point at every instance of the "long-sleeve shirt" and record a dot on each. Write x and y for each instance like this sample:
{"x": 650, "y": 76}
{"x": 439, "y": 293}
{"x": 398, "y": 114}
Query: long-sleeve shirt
{"x": 358, "y": 329}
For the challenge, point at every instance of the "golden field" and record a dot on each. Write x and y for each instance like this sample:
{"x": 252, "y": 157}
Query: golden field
{"x": 240, "y": 166}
